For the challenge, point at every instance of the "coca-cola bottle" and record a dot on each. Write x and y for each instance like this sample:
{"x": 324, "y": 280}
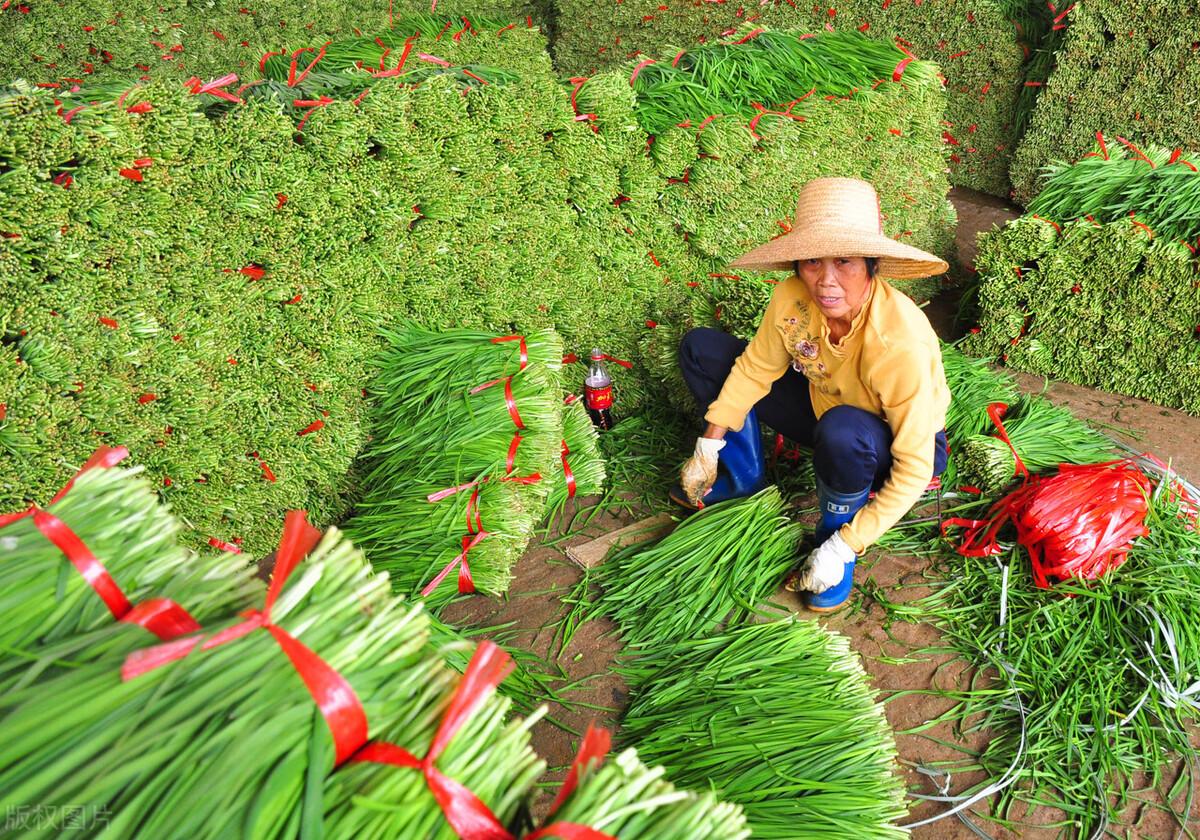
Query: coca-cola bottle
{"x": 597, "y": 392}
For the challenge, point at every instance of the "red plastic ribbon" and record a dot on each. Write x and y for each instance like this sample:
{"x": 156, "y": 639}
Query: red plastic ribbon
{"x": 162, "y": 617}
{"x": 510, "y": 458}
{"x": 996, "y": 412}
{"x": 510, "y": 401}
{"x": 1079, "y": 523}
{"x": 524, "y": 349}
{"x": 616, "y": 361}
{"x": 382, "y": 73}
{"x": 1138, "y": 224}
{"x": 294, "y": 79}
{"x": 532, "y": 478}
{"x": 638, "y": 69}
{"x": 511, "y": 404}
{"x": 262, "y": 62}
{"x": 898, "y": 73}
{"x": 570, "y": 476}
{"x": 81, "y": 557}
{"x": 475, "y": 535}
{"x": 1177, "y": 157}
{"x": 334, "y": 696}
{"x": 467, "y": 815}
{"x": 1054, "y": 224}
{"x": 578, "y": 82}
{"x": 594, "y": 747}
{"x": 215, "y": 87}
{"x": 474, "y": 522}
{"x": 754, "y": 33}
{"x": 312, "y": 105}
{"x": 1136, "y": 151}
{"x": 466, "y": 583}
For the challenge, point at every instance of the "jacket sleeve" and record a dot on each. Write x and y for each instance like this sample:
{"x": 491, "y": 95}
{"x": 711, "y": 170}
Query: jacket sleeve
{"x": 903, "y": 379}
{"x": 764, "y": 360}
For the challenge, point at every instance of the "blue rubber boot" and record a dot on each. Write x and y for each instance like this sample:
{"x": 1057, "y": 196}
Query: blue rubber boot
{"x": 836, "y": 510}
{"x": 740, "y": 468}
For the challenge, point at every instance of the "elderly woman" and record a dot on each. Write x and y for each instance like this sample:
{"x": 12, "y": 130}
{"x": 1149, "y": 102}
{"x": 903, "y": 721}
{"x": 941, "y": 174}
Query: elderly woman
{"x": 843, "y": 363}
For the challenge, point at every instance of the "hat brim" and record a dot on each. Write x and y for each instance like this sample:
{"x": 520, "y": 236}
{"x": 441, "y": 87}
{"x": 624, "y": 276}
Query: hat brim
{"x": 896, "y": 260}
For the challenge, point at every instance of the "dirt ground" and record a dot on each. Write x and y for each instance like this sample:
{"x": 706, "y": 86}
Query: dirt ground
{"x": 544, "y": 576}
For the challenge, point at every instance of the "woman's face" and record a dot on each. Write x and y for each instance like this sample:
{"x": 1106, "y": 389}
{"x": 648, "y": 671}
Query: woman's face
{"x": 839, "y": 285}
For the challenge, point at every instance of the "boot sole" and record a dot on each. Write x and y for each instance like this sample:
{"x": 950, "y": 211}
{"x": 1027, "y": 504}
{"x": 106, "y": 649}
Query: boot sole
{"x": 683, "y": 503}
{"x": 834, "y": 608}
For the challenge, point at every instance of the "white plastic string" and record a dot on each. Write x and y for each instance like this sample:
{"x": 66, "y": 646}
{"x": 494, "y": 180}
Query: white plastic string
{"x": 963, "y": 802}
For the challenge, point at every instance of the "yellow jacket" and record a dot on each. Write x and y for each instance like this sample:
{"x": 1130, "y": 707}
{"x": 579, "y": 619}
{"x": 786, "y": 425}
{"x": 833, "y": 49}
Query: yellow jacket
{"x": 890, "y": 364}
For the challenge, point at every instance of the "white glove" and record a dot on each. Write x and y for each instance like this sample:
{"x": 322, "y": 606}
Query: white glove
{"x": 698, "y": 474}
{"x": 826, "y": 565}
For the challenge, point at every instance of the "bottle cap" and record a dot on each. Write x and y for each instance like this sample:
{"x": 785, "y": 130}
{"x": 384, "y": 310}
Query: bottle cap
{"x": 597, "y": 356}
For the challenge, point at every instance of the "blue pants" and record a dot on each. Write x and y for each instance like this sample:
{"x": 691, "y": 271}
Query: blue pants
{"x": 852, "y": 448}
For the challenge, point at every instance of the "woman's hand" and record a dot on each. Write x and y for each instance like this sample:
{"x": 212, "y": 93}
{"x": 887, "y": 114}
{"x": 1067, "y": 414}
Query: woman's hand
{"x": 826, "y": 565}
{"x": 700, "y": 471}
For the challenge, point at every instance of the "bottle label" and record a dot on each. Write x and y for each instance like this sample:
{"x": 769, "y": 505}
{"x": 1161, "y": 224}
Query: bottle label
{"x": 598, "y": 399}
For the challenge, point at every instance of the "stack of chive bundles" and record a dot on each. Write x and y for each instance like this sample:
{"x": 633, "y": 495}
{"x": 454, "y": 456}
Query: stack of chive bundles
{"x": 54, "y": 618}
{"x": 715, "y": 567}
{"x": 467, "y": 450}
{"x": 1102, "y": 672}
{"x": 624, "y": 798}
{"x": 228, "y": 741}
{"x": 778, "y": 718}
{"x": 1095, "y": 285}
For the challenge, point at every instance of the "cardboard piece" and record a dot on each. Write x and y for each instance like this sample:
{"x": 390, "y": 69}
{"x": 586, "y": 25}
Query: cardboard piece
{"x": 592, "y": 554}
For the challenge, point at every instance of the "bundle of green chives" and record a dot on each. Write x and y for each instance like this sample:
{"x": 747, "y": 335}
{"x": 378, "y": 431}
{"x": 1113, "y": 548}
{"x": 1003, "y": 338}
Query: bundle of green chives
{"x": 422, "y": 368}
{"x": 778, "y": 718}
{"x": 381, "y": 52}
{"x": 468, "y": 438}
{"x": 717, "y": 566}
{"x": 228, "y": 741}
{"x": 771, "y": 69}
{"x": 1044, "y": 435}
{"x": 974, "y": 385}
{"x": 1157, "y": 184}
{"x": 490, "y": 756}
{"x": 467, "y": 443}
{"x": 50, "y": 610}
{"x": 413, "y": 539}
{"x": 623, "y": 797}
{"x": 581, "y": 455}
{"x": 1101, "y": 674}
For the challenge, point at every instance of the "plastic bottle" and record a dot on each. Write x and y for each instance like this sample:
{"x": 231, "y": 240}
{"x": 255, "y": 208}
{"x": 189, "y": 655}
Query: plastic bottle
{"x": 597, "y": 392}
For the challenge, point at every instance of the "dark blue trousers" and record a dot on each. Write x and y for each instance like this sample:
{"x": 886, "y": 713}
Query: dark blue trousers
{"x": 852, "y": 448}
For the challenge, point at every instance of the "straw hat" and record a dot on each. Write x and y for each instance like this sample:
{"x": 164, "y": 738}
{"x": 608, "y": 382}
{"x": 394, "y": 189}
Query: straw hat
{"x": 839, "y": 217}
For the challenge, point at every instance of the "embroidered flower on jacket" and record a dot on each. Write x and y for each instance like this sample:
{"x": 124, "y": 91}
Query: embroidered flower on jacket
{"x": 806, "y": 349}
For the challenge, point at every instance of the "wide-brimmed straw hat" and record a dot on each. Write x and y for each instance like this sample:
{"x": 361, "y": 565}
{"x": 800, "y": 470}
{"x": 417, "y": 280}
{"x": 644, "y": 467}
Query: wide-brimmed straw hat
{"x": 840, "y": 217}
